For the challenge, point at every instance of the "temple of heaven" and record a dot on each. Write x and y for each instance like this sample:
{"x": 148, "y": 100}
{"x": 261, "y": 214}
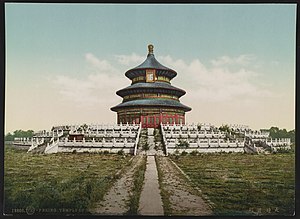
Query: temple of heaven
{"x": 151, "y": 99}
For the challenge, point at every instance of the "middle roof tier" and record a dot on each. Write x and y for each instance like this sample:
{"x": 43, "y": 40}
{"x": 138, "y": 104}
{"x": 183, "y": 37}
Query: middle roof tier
{"x": 155, "y": 87}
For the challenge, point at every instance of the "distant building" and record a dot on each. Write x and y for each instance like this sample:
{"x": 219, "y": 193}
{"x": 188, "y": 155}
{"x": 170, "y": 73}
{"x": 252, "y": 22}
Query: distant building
{"x": 151, "y": 99}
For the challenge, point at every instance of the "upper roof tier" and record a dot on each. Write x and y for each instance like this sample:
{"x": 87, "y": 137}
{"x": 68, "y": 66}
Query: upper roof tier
{"x": 150, "y": 63}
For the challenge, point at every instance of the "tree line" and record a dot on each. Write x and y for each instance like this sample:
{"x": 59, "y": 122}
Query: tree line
{"x": 19, "y": 134}
{"x": 275, "y": 132}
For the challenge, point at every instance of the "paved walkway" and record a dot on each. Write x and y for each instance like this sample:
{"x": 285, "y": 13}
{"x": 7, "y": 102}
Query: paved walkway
{"x": 150, "y": 200}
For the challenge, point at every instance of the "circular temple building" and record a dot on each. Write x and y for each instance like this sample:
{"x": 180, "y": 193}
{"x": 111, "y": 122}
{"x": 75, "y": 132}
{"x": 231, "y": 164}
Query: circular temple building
{"x": 151, "y": 99}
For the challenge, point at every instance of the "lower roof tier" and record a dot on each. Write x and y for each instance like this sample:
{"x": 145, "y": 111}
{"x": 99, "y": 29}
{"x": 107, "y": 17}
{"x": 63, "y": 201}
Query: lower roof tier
{"x": 151, "y": 103}
{"x": 155, "y": 87}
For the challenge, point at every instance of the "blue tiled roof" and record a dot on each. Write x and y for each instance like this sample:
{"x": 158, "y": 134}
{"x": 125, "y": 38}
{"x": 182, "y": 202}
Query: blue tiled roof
{"x": 150, "y": 63}
{"x": 151, "y": 86}
{"x": 152, "y": 102}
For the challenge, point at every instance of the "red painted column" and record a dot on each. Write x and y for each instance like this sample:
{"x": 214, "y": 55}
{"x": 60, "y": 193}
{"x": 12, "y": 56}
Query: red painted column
{"x": 146, "y": 123}
{"x": 142, "y": 121}
{"x": 160, "y": 118}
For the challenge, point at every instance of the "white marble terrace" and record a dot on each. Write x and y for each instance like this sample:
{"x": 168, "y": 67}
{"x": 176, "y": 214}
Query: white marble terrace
{"x": 204, "y": 138}
{"x": 210, "y": 139}
{"x": 96, "y": 138}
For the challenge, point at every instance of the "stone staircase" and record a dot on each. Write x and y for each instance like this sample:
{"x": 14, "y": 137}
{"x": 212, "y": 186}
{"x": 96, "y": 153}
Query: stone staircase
{"x": 142, "y": 141}
{"x": 257, "y": 147}
{"x": 158, "y": 141}
{"x": 262, "y": 147}
{"x": 150, "y": 142}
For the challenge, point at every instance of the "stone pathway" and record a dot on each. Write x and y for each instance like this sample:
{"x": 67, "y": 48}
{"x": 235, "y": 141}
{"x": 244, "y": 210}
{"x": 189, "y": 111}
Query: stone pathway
{"x": 150, "y": 200}
{"x": 115, "y": 202}
{"x": 184, "y": 199}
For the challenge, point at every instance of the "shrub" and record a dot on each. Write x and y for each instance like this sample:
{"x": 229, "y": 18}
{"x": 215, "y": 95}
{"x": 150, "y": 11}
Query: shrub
{"x": 105, "y": 152}
{"x": 183, "y": 144}
{"x": 194, "y": 153}
{"x": 121, "y": 152}
{"x": 146, "y": 146}
{"x": 282, "y": 151}
{"x": 183, "y": 153}
{"x": 176, "y": 152}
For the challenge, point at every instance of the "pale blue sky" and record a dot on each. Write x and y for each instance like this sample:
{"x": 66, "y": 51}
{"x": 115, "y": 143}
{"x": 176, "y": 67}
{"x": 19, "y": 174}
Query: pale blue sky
{"x": 62, "y": 29}
{"x": 45, "y": 41}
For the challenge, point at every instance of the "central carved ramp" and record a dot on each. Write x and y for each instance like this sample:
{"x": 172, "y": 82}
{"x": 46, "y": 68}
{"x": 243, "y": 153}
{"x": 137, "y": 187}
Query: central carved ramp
{"x": 151, "y": 143}
{"x": 150, "y": 200}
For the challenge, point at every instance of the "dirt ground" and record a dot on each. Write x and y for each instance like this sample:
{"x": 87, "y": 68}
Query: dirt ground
{"x": 115, "y": 201}
{"x": 183, "y": 198}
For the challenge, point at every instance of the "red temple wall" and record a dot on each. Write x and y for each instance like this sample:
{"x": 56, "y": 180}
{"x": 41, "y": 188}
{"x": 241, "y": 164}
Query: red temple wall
{"x": 154, "y": 120}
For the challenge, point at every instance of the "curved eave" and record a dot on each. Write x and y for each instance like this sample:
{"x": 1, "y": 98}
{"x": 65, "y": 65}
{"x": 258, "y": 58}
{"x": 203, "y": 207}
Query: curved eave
{"x": 133, "y": 73}
{"x": 151, "y": 88}
{"x": 151, "y": 103}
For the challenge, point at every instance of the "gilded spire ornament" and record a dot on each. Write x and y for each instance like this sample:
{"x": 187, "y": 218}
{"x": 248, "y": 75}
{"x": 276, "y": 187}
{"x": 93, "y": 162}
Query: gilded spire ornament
{"x": 150, "y": 49}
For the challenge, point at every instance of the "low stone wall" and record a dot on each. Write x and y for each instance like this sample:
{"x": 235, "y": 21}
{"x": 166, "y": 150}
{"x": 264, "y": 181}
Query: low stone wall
{"x": 80, "y": 146}
{"x": 173, "y": 150}
{"x": 95, "y": 149}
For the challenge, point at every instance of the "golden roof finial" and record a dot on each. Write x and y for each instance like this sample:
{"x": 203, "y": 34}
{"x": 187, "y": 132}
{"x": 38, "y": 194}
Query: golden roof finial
{"x": 150, "y": 49}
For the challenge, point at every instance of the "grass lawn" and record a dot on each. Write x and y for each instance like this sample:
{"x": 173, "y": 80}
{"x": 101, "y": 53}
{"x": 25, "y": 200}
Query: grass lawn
{"x": 244, "y": 184}
{"x": 138, "y": 181}
{"x": 57, "y": 183}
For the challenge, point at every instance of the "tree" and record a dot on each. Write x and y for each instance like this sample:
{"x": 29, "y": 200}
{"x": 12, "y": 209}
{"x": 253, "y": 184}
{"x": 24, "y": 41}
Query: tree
{"x": 291, "y": 135}
{"x": 225, "y": 128}
{"x": 199, "y": 127}
{"x": 275, "y": 132}
{"x": 9, "y": 137}
{"x": 19, "y": 134}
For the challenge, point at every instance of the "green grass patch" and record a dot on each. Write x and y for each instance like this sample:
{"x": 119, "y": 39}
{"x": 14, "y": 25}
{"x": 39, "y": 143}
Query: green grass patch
{"x": 243, "y": 184}
{"x": 165, "y": 195}
{"x": 138, "y": 176}
{"x": 58, "y": 181}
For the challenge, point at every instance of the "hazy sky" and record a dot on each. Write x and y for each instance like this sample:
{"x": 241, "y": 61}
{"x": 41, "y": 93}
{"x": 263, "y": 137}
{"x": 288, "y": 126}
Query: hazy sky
{"x": 64, "y": 62}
